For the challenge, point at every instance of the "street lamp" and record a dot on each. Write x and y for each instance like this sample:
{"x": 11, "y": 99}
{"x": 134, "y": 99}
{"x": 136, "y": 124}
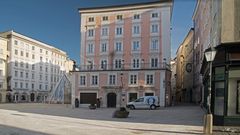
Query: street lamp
{"x": 209, "y": 55}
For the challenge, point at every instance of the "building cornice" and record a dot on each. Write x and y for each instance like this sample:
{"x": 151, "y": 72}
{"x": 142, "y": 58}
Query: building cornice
{"x": 113, "y": 8}
{"x": 34, "y": 41}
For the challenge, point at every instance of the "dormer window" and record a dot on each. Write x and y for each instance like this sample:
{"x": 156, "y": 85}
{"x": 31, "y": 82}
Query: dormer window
{"x": 154, "y": 15}
{"x": 105, "y": 18}
{"x": 136, "y": 17}
{"x": 91, "y": 19}
{"x": 119, "y": 17}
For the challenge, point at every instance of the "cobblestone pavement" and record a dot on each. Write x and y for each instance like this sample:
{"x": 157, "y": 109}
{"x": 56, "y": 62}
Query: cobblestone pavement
{"x": 45, "y": 119}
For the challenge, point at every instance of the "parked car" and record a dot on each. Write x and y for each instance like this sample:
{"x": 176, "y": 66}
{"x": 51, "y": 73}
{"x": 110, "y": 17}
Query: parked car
{"x": 151, "y": 102}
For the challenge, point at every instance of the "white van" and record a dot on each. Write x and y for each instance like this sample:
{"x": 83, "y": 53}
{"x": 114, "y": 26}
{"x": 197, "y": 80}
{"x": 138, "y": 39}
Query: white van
{"x": 150, "y": 102}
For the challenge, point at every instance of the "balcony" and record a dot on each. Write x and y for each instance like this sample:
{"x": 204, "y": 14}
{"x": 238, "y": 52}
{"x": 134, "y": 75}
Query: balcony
{"x": 125, "y": 66}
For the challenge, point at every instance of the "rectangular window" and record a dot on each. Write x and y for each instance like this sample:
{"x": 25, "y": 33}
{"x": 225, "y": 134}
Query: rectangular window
{"x": 112, "y": 79}
{"x": 21, "y": 53}
{"x": 136, "y": 16}
{"x": 90, "y": 32}
{"x": 118, "y": 47}
{"x": 33, "y": 67}
{"x": 1, "y": 72}
{"x": 32, "y": 86}
{"x": 16, "y": 63}
{"x": 104, "y": 31}
{"x": 40, "y": 86}
{"x": 119, "y": 17}
{"x": 118, "y": 63}
{"x": 133, "y": 79}
{"x": 27, "y": 65}
{"x": 21, "y": 74}
{"x": 132, "y": 97}
{"x": 154, "y": 62}
{"x": 136, "y": 63}
{"x": 82, "y": 80}
{"x": 154, "y": 28}
{"x": 94, "y": 80}
{"x": 105, "y": 18}
{"x": 26, "y": 75}
{"x": 91, "y": 19}
{"x": 33, "y": 56}
{"x": 21, "y": 85}
{"x": 16, "y": 73}
{"x": 15, "y": 42}
{"x": 16, "y": 52}
{"x": 40, "y": 77}
{"x": 149, "y": 80}
{"x": 16, "y": 84}
{"x": 32, "y": 76}
{"x": 136, "y": 46}
{"x": 154, "y": 44}
{"x": 1, "y": 85}
{"x": 119, "y": 31}
{"x": 104, "y": 64}
{"x": 33, "y": 48}
{"x": 154, "y": 15}
{"x": 90, "y": 49}
{"x": 21, "y": 64}
{"x": 26, "y": 85}
{"x": 40, "y": 50}
{"x": 136, "y": 29}
{"x": 104, "y": 47}
{"x": 46, "y": 78}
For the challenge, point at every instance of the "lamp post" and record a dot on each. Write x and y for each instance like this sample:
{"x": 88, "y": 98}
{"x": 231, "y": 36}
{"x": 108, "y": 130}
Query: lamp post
{"x": 209, "y": 55}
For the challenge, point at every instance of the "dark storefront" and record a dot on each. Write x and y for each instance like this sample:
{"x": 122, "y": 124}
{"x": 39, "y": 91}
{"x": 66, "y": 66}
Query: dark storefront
{"x": 225, "y": 101}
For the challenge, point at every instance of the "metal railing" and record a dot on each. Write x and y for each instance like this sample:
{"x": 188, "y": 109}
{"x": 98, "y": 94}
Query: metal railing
{"x": 125, "y": 66}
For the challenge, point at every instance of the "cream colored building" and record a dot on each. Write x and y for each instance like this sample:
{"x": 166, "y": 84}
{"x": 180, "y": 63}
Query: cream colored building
{"x": 34, "y": 68}
{"x": 184, "y": 68}
{"x": 3, "y": 69}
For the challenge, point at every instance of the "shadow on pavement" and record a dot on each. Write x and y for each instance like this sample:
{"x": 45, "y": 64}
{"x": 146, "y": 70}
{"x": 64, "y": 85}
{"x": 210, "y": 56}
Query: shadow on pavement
{"x": 9, "y": 130}
{"x": 177, "y": 115}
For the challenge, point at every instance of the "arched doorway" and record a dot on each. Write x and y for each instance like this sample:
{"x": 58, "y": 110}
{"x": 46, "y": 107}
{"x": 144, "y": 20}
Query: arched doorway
{"x": 111, "y": 100}
{"x": 24, "y": 97}
{"x": 32, "y": 97}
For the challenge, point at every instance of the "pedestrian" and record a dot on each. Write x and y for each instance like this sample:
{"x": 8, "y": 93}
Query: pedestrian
{"x": 98, "y": 103}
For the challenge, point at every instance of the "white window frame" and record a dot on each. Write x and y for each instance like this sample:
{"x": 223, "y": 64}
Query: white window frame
{"x": 154, "y": 62}
{"x": 129, "y": 81}
{"x": 157, "y": 45}
{"x": 106, "y": 64}
{"x": 111, "y": 74}
{"x": 91, "y": 82}
{"x": 117, "y": 31}
{"x": 101, "y": 47}
{"x": 136, "y": 63}
{"x": 117, "y": 46}
{"x": 139, "y": 46}
{"x": 153, "y": 81}
{"x": 133, "y": 29}
{"x": 90, "y": 51}
{"x": 80, "y": 81}
{"x": 154, "y": 30}
{"x": 105, "y": 31}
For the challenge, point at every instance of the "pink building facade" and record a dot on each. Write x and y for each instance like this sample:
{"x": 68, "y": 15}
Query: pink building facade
{"x": 125, "y": 54}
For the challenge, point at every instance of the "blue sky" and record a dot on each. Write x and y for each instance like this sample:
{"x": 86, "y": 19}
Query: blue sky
{"x": 57, "y": 22}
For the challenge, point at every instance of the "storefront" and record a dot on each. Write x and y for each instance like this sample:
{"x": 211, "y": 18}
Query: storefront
{"x": 225, "y": 99}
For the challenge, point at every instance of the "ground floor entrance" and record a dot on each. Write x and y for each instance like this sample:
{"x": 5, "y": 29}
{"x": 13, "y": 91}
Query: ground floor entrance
{"x": 111, "y": 100}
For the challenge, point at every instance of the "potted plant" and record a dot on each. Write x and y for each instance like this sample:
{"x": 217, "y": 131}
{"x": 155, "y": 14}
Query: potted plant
{"x": 121, "y": 113}
{"x": 92, "y": 106}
